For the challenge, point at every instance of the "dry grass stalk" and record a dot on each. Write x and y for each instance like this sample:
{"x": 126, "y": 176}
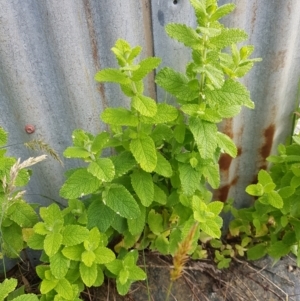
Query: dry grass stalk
{"x": 181, "y": 256}
{"x": 43, "y": 146}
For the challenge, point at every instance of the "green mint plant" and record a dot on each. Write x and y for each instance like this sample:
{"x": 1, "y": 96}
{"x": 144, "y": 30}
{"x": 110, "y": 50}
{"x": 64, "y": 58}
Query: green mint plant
{"x": 17, "y": 217}
{"x": 153, "y": 189}
{"x": 272, "y": 225}
{"x": 74, "y": 256}
{"x": 8, "y": 290}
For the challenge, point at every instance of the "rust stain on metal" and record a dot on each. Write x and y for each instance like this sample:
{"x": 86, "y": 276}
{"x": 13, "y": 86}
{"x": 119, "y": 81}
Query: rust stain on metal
{"x": 94, "y": 45}
{"x": 265, "y": 150}
{"x": 222, "y": 193}
{"x": 147, "y": 22}
{"x": 278, "y": 61}
{"x": 227, "y": 127}
{"x": 224, "y": 162}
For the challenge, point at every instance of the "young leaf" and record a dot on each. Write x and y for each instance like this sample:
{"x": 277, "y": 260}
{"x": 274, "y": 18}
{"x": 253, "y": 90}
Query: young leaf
{"x": 103, "y": 169}
{"x": 205, "y": 136}
{"x": 3, "y": 137}
{"x": 163, "y": 166}
{"x": 99, "y": 142}
{"x": 8, "y": 285}
{"x": 184, "y": 34}
{"x": 52, "y": 243}
{"x": 76, "y": 152}
{"x": 104, "y": 255}
{"x": 74, "y": 235}
{"x": 146, "y": 66}
{"x": 123, "y": 162}
{"x": 275, "y": 199}
{"x": 146, "y": 106}
{"x": 212, "y": 174}
{"x": 165, "y": 113}
{"x": 227, "y": 37}
{"x": 211, "y": 228}
{"x": 80, "y": 183}
{"x": 176, "y": 84}
{"x": 142, "y": 184}
{"x": 64, "y": 289}
{"x": 189, "y": 177}
{"x": 144, "y": 151}
{"x": 100, "y": 216}
{"x": 120, "y": 200}
{"x": 264, "y": 177}
{"x": 255, "y": 189}
{"x": 59, "y": 265}
{"x": 136, "y": 225}
{"x": 155, "y": 222}
{"x": 222, "y": 11}
{"x": 112, "y": 75}
{"x": 119, "y": 116}
{"x": 23, "y": 214}
{"x": 73, "y": 252}
{"x": 88, "y": 274}
{"x": 232, "y": 93}
{"x": 225, "y": 143}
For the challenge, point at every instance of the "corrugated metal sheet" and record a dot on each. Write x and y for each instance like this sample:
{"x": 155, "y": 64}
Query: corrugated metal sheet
{"x": 50, "y": 51}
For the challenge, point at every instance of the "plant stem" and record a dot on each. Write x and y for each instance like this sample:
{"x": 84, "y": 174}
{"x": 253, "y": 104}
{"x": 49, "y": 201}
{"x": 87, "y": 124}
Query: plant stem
{"x": 169, "y": 290}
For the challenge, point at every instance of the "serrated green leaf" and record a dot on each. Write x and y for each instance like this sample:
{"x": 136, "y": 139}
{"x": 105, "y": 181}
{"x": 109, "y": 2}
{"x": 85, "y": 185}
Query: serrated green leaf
{"x": 103, "y": 169}
{"x": 51, "y": 214}
{"x": 73, "y": 252}
{"x": 88, "y": 257}
{"x": 144, "y": 151}
{"x": 224, "y": 142}
{"x": 215, "y": 207}
{"x": 232, "y": 93}
{"x": 136, "y": 273}
{"x": 184, "y": 34}
{"x": 120, "y": 200}
{"x": 159, "y": 195}
{"x": 88, "y": 274}
{"x": 123, "y": 163}
{"x": 76, "y": 152}
{"x": 212, "y": 174}
{"x": 23, "y": 214}
{"x": 279, "y": 249}
{"x": 115, "y": 266}
{"x": 12, "y": 240}
{"x": 59, "y": 265}
{"x": 36, "y": 241}
{"x": 112, "y": 75}
{"x": 165, "y": 113}
{"x": 176, "y": 84}
{"x": 74, "y": 235}
{"x": 99, "y": 142}
{"x": 229, "y": 111}
{"x": 275, "y": 199}
{"x": 7, "y": 286}
{"x": 52, "y": 243}
{"x": 222, "y": 11}
{"x": 146, "y": 106}
{"x": 64, "y": 289}
{"x": 80, "y": 183}
{"x": 215, "y": 75}
{"x": 264, "y": 178}
{"x": 104, "y": 255}
{"x": 123, "y": 289}
{"x": 3, "y": 137}
{"x": 227, "y": 37}
{"x": 205, "y": 135}
{"x": 142, "y": 184}
{"x": 136, "y": 225}
{"x": 119, "y": 116}
{"x": 27, "y": 297}
{"x": 255, "y": 189}
{"x": 179, "y": 132}
{"x": 146, "y": 66}
{"x": 100, "y": 216}
{"x": 155, "y": 222}
{"x": 163, "y": 166}
{"x": 189, "y": 178}
{"x": 48, "y": 285}
{"x": 161, "y": 132}
{"x": 211, "y": 228}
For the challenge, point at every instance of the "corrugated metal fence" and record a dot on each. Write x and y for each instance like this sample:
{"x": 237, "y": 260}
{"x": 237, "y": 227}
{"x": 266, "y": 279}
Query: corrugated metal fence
{"x": 51, "y": 49}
